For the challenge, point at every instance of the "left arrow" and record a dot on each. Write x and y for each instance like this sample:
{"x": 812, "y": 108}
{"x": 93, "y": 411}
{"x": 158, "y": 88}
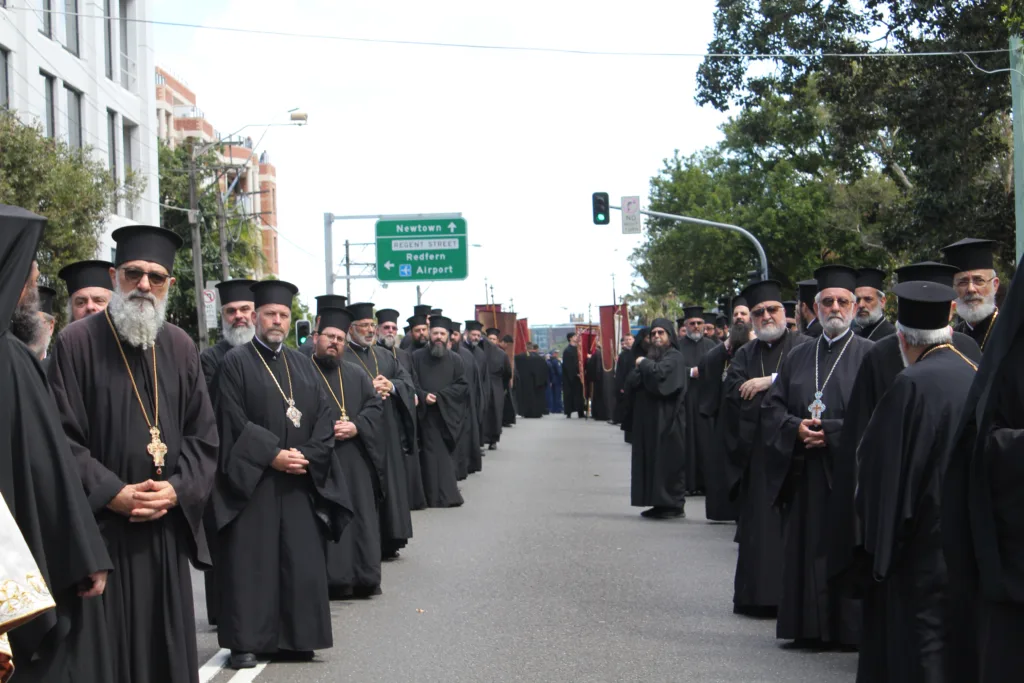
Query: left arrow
{"x": 389, "y": 265}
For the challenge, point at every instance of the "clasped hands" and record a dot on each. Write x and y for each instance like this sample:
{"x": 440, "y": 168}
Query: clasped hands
{"x": 383, "y": 386}
{"x": 811, "y": 434}
{"x": 144, "y": 502}
{"x": 344, "y": 430}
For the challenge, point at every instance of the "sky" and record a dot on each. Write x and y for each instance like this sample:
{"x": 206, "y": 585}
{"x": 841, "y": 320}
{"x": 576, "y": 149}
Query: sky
{"x": 515, "y": 141}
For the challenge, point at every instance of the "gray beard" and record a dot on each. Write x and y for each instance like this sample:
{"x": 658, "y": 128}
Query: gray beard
{"x": 438, "y": 350}
{"x": 973, "y": 312}
{"x": 695, "y": 336}
{"x": 834, "y": 326}
{"x": 655, "y": 352}
{"x": 388, "y": 341}
{"x": 873, "y": 317}
{"x": 26, "y": 324}
{"x": 364, "y": 340}
{"x": 236, "y": 336}
{"x": 138, "y": 317}
{"x": 772, "y": 335}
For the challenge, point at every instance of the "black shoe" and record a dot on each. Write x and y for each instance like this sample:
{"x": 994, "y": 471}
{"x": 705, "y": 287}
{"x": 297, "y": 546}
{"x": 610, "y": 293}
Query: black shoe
{"x": 668, "y": 513}
{"x": 492, "y": 447}
{"x": 242, "y": 660}
{"x": 650, "y": 512}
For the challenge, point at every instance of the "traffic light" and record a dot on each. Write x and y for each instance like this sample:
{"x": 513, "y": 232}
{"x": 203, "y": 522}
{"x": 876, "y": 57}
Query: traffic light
{"x": 302, "y": 331}
{"x": 601, "y": 211}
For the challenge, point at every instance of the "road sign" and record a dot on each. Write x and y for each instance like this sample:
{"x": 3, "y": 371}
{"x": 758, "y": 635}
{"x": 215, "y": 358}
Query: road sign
{"x": 631, "y": 219}
{"x": 422, "y": 250}
{"x": 210, "y": 307}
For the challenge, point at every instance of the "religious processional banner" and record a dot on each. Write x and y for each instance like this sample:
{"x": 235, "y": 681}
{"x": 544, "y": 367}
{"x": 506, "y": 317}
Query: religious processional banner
{"x": 522, "y": 335}
{"x": 491, "y": 316}
{"x": 587, "y": 338}
{"x": 614, "y": 326}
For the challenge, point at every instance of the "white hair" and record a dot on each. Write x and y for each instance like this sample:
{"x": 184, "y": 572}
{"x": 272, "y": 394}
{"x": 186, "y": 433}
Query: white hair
{"x": 974, "y": 308}
{"x": 917, "y": 337}
{"x": 138, "y": 316}
{"x": 236, "y": 336}
{"x": 834, "y": 326}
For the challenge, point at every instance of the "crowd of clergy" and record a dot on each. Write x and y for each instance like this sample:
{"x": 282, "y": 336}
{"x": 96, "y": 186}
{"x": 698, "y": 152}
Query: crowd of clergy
{"x": 287, "y": 475}
{"x": 875, "y": 470}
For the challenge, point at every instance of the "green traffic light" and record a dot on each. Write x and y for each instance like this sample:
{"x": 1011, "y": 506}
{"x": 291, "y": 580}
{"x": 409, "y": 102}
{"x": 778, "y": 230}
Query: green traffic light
{"x": 600, "y": 216}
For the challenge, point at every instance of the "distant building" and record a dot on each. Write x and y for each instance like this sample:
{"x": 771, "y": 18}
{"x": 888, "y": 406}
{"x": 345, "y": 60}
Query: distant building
{"x": 250, "y": 178}
{"x": 88, "y": 81}
{"x": 549, "y": 337}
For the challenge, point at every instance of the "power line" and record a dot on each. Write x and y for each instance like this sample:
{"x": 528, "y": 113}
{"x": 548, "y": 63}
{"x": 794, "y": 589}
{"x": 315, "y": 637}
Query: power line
{"x": 525, "y": 48}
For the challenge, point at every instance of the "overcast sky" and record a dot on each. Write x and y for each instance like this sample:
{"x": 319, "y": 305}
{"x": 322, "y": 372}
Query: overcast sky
{"x": 515, "y": 141}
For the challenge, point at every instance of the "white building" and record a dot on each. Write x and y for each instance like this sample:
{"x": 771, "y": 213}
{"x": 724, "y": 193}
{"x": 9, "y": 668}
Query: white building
{"x": 88, "y": 80}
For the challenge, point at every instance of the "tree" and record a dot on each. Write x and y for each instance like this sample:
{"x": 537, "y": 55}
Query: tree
{"x": 73, "y": 190}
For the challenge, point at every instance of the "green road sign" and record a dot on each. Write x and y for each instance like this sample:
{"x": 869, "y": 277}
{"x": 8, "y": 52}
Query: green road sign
{"x": 422, "y": 250}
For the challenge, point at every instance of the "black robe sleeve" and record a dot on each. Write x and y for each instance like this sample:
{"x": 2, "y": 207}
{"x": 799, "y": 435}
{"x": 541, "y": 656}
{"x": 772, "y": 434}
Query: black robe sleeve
{"x": 665, "y": 377}
{"x": 369, "y": 421}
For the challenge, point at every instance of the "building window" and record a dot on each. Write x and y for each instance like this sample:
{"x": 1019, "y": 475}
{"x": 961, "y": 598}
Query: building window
{"x": 108, "y": 36}
{"x": 46, "y": 17}
{"x": 125, "y": 40}
{"x": 128, "y": 134}
{"x": 5, "y": 97}
{"x": 49, "y": 83}
{"x": 74, "y": 117}
{"x": 71, "y": 26}
{"x": 112, "y": 143}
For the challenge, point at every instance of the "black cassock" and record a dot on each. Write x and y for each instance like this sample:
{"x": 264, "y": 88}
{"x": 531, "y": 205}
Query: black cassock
{"x": 480, "y": 357}
{"x": 273, "y": 527}
{"x": 45, "y": 497}
{"x": 903, "y": 458}
{"x": 399, "y": 419}
{"x": 510, "y": 408}
{"x": 496, "y": 376}
{"x": 572, "y": 383}
{"x": 876, "y": 332}
{"x": 593, "y": 372}
{"x": 148, "y": 600}
{"x": 800, "y": 481}
{"x": 477, "y": 359}
{"x": 441, "y": 423}
{"x": 353, "y": 562}
{"x": 469, "y": 459}
{"x": 211, "y": 358}
{"x": 700, "y": 430}
{"x": 410, "y": 446}
{"x": 878, "y": 370}
{"x": 622, "y": 368}
{"x": 718, "y": 505}
{"x": 980, "y": 332}
{"x": 813, "y": 329}
{"x": 659, "y": 431}
{"x": 531, "y": 382}
{"x": 757, "y": 585}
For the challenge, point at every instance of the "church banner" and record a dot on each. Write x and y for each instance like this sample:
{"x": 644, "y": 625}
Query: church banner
{"x": 522, "y": 335}
{"x": 614, "y": 326}
{"x": 506, "y": 322}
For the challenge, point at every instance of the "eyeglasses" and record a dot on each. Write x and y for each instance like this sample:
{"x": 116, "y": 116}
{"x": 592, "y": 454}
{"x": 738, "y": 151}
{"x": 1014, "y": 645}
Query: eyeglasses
{"x": 830, "y": 301}
{"x": 134, "y": 276}
{"x": 977, "y": 280}
{"x": 334, "y": 338}
{"x": 761, "y": 310}
{"x": 364, "y": 325}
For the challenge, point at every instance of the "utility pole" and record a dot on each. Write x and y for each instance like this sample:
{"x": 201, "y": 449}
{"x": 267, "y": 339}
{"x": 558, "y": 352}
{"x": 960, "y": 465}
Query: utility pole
{"x": 197, "y": 251}
{"x": 222, "y": 229}
{"x": 348, "y": 274}
{"x": 329, "y": 251}
{"x": 1017, "y": 98}
{"x": 419, "y": 295}
{"x": 615, "y": 299}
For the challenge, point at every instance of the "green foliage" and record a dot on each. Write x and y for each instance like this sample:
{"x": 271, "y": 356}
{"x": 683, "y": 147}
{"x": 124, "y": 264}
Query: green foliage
{"x": 73, "y": 190}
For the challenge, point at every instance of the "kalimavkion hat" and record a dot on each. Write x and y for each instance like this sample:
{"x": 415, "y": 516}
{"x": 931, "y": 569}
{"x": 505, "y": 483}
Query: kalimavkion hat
{"x": 330, "y": 301}
{"x": 472, "y": 325}
{"x": 440, "y": 321}
{"x": 871, "y": 277}
{"x": 86, "y": 274}
{"x": 146, "y": 243}
{"x": 235, "y": 290}
{"x": 709, "y": 318}
{"x": 923, "y": 305}
{"x": 930, "y": 271}
{"x": 416, "y": 321}
{"x": 970, "y": 254}
{"x": 790, "y": 307}
{"x": 493, "y": 330}
{"x": 338, "y": 318}
{"x": 456, "y": 326}
{"x": 387, "y": 315}
{"x": 273, "y": 292}
{"x": 835, "y": 276}
{"x": 807, "y": 289}
{"x": 361, "y": 311}
{"x": 46, "y": 295}
{"x": 756, "y": 293}
{"x": 435, "y": 311}
{"x": 690, "y": 312}
{"x": 423, "y": 310}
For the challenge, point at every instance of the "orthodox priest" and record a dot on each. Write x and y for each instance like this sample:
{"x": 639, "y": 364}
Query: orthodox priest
{"x": 443, "y": 412}
{"x": 498, "y": 372}
{"x": 870, "y": 321}
{"x": 658, "y": 391}
{"x": 333, "y": 301}
{"x": 89, "y": 287}
{"x": 357, "y": 412}
{"x": 40, "y": 344}
{"x": 471, "y": 441}
{"x": 754, "y": 366}
{"x": 700, "y": 431}
{"x": 623, "y": 365}
{"x": 533, "y": 380}
{"x": 387, "y": 339}
{"x": 280, "y": 494}
{"x": 593, "y": 372}
{"x": 417, "y": 335}
{"x": 510, "y": 409}
{"x": 572, "y": 383}
{"x": 976, "y": 284}
{"x": 397, "y": 390}
{"x": 903, "y": 458}
{"x": 135, "y": 409}
{"x": 805, "y": 408}
{"x": 44, "y": 495}
{"x": 472, "y": 340}
{"x": 808, "y": 290}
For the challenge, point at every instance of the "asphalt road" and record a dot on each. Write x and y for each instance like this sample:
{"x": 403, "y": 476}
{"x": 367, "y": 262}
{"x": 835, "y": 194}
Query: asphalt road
{"x": 547, "y": 574}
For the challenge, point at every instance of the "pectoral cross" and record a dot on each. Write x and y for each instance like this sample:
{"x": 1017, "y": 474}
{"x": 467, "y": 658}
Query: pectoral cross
{"x": 157, "y": 449}
{"x": 817, "y": 407}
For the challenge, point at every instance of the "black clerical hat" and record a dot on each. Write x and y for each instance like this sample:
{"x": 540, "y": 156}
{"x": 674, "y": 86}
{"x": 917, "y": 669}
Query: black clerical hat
{"x": 722, "y": 320}
{"x": 273, "y": 292}
{"x": 86, "y": 274}
{"x": 474, "y": 325}
{"x": 235, "y": 290}
{"x": 387, "y": 315}
{"x": 46, "y": 295}
{"x": 508, "y": 339}
{"x": 737, "y": 301}
{"x": 680, "y": 322}
{"x": 757, "y": 293}
{"x": 330, "y": 301}
{"x": 416, "y": 321}
{"x": 923, "y": 305}
{"x": 871, "y": 277}
{"x": 970, "y": 254}
{"x": 339, "y": 318}
{"x": 835, "y": 276}
{"x": 146, "y": 243}
{"x": 440, "y": 321}
{"x": 423, "y": 310}
{"x": 456, "y": 326}
{"x": 807, "y": 289}
{"x": 790, "y": 307}
{"x": 709, "y": 318}
{"x": 692, "y": 312}
{"x": 435, "y": 311}
{"x": 361, "y": 311}
{"x": 930, "y": 271}
{"x": 493, "y": 330}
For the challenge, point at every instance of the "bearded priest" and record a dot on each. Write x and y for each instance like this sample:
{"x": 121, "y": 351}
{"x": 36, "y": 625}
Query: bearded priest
{"x": 976, "y": 284}
{"x": 135, "y": 410}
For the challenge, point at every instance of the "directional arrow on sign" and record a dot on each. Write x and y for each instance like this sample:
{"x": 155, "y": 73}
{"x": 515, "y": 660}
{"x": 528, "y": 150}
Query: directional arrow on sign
{"x": 389, "y": 265}
{"x": 451, "y": 227}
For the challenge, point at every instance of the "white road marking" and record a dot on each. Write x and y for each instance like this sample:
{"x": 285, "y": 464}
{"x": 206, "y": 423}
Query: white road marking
{"x": 213, "y": 666}
{"x": 248, "y": 675}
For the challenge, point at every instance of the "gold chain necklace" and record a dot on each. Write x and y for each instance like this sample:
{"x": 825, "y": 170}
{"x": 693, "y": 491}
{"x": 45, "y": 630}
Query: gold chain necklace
{"x": 292, "y": 413}
{"x": 951, "y": 348}
{"x": 988, "y": 331}
{"x": 341, "y": 383}
{"x": 376, "y": 365}
{"x": 777, "y": 365}
{"x": 157, "y": 449}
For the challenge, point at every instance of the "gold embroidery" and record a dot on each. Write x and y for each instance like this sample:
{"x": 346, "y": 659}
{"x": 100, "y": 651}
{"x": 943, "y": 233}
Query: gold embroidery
{"x": 20, "y": 602}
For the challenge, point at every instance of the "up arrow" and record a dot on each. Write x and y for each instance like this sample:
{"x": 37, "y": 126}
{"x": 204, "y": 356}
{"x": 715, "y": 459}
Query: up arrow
{"x": 451, "y": 227}
{"x": 389, "y": 265}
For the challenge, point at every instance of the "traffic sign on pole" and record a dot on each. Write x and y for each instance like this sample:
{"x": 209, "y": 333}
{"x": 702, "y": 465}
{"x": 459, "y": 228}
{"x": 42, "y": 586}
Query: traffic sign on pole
{"x": 631, "y": 221}
{"x": 210, "y": 307}
{"x": 422, "y": 250}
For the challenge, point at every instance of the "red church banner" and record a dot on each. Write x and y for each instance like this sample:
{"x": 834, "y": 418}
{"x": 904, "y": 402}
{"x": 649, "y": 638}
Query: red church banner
{"x": 614, "y": 326}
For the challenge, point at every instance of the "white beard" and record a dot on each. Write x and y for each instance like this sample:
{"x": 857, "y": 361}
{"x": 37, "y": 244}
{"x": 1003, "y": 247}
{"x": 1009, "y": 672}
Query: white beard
{"x": 236, "y": 336}
{"x": 835, "y": 326}
{"x": 388, "y": 341}
{"x": 771, "y": 334}
{"x": 873, "y": 317}
{"x": 695, "y": 336}
{"x": 974, "y": 312}
{"x": 137, "y": 316}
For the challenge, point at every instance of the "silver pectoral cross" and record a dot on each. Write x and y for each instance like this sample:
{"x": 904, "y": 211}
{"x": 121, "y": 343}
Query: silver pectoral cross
{"x": 817, "y": 407}
{"x": 293, "y": 414}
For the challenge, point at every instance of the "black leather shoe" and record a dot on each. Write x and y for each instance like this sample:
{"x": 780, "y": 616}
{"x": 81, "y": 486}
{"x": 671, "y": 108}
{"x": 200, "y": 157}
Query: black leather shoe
{"x": 242, "y": 660}
{"x": 492, "y": 447}
{"x": 651, "y": 512}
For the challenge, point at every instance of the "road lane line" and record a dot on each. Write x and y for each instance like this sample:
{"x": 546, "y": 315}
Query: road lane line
{"x": 213, "y": 666}
{"x": 248, "y": 675}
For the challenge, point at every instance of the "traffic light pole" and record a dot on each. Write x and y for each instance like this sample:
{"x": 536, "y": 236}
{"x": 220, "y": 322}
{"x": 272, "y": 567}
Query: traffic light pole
{"x": 713, "y": 224}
